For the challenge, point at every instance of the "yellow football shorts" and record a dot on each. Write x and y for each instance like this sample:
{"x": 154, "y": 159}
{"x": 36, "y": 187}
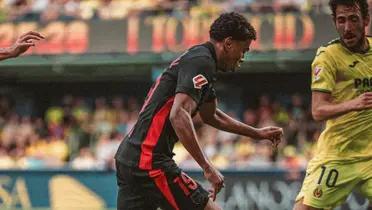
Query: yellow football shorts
{"x": 328, "y": 183}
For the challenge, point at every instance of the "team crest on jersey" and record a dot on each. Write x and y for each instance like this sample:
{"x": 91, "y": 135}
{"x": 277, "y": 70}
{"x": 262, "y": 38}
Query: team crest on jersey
{"x": 317, "y": 71}
{"x": 318, "y": 192}
{"x": 199, "y": 80}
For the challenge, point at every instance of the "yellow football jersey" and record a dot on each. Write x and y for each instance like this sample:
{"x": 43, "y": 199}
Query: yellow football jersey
{"x": 345, "y": 75}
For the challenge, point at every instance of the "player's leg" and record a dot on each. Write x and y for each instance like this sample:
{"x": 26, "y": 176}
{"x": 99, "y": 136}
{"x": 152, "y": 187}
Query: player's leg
{"x": 327, "y": 184}
{"x": 211, "y": 205}
{"x": 299, "y": 205}
{"x": 180, "y": 192}
{"x": 129, "y": 200}
{"x": 130, "y": 194}
{"x": 366, "y": 187}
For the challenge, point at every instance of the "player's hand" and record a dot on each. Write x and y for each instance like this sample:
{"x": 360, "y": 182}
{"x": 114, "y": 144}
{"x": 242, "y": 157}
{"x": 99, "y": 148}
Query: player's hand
{"x": 364, "y": 101}
{"x": 216, "y": 179}
{"x": 272, "y": 133}
{"x": 24, "y": 42}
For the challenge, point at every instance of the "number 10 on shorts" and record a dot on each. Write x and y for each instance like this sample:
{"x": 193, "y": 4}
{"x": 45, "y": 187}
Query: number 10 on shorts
{"x": 332, "y": 177}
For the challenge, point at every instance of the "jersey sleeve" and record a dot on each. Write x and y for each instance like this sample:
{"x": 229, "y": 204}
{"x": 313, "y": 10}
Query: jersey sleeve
{"x": 195, "y": 76}
{"x": 211, "y": 95}
{"x": 323, "y": 76}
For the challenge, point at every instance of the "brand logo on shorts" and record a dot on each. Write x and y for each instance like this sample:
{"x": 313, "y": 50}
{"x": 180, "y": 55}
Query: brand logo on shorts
{"x": 318, "y": 192}
{"x": 199, "y": 80}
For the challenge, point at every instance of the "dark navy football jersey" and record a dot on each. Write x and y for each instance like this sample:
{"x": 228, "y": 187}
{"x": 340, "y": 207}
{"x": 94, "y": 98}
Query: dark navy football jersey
{"x": 150, "y": 143}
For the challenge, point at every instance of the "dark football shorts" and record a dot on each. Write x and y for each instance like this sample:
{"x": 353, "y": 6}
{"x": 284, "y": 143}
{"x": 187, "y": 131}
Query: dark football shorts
{"x": 148, "y": 190}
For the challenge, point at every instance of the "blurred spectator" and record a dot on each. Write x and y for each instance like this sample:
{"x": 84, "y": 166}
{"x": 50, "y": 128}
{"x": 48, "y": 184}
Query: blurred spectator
{"x": 210, "y": 145}
{"x": 250, "y": 117}
{"x": 240, "y": 5}
{"x": 244, "y": 148}
{"x": 54, "y": 117}
{"x": 206, "y": 8}
{"x": 52, "y": 11}
{"x": 297, "y": 108}
{"x": 88, "y": 136}
{"x": 84, "y": 161}
{"x": 71, "y": 9}
{"x": 319, "y": 6}
{"x": 290, "y": 159}
{"x": 265, "y": 112}
{"x": 6, "y": 162}
{"x": 105, "y": 150}
{"x": 122, "y": 122}
{"x": 61, "y": 10}
{"x": 111, "y": 9}
{"x": 38, "y": 6}
{"x": 102, "y": 116}
{"x": 17, "y": 9}
{"x": 57, "y": 150}
{"x": 5, "y": 106}
{"x": 290, "y": 5}
{"x": 189, "y": 163}
{"x": 49, "y": 10}
{"x": 9, "y": 131}
{"x": 262, "y": 157}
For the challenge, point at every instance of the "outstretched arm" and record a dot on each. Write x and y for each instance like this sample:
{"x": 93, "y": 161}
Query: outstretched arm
{"x": 220, "y": 120}
{"x": 22, "y": 44}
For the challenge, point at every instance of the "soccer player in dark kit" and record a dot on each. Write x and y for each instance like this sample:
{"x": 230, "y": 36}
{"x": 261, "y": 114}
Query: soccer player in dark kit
{"x": 147, "y": 176}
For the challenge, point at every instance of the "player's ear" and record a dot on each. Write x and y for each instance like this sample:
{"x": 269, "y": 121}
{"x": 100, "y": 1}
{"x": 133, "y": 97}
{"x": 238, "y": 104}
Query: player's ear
{"x": 227, "y": 43}
{"x": 367, "y": 20}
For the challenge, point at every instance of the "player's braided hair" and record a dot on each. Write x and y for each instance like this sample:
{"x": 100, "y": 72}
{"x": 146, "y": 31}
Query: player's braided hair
{"x": 232, "y": 24}
{"x": 362, "y": 4}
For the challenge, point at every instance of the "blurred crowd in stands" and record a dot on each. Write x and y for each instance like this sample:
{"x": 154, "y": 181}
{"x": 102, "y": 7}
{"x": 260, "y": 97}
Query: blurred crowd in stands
{"x": 49, "y": 10}
{"x": 84, "y": 134}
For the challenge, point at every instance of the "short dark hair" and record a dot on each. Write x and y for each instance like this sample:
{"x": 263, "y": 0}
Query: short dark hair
{"x": 363, "y": 6}
{"x": 232, "y": 24}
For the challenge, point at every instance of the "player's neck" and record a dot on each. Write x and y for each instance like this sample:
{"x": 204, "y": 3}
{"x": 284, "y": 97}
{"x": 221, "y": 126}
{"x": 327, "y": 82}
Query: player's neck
{"x": 219, "y": 53}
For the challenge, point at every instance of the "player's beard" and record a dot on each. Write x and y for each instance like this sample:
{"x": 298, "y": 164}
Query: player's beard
{"x": 239, "y": 63}
{"x": 236, "y": 65}
{"x": 358, "y": 46}
{"x": 225, "y": 67}
{"x": 233, "y": 67}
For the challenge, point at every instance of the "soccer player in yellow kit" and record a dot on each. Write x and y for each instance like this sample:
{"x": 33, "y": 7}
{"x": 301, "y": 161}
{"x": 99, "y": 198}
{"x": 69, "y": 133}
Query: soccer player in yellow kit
{"x": 342, "y": 95}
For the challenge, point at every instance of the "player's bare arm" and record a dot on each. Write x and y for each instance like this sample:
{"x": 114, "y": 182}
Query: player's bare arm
{"x": 220, "y": 120}
{"x": 21, "y": 45}
{"x": 181, "y": 120}
{"x": 323, "y": 108}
